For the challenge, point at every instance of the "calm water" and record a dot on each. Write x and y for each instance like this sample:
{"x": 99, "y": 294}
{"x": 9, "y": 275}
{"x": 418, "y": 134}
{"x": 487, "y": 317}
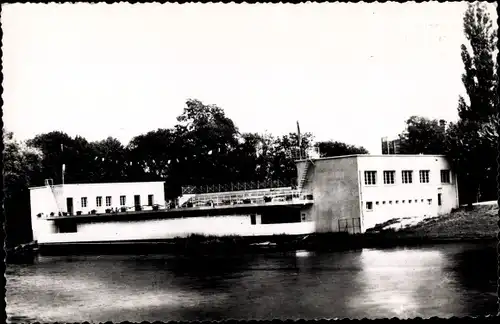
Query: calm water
{"x": 441, "y": 280}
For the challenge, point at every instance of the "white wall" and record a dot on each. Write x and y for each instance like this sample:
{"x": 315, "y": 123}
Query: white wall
{"x": 43, "y": 200}
{"x": 399, "y": 191}
{"x": 91, "y": 191}
{"x": 170, "y": 228}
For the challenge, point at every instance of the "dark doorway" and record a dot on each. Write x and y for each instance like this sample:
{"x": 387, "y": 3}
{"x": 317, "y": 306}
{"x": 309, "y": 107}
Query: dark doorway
{"x": 439, "y": 199}
{"x": 69, "y": 205}
{"x": 137, "y": 200}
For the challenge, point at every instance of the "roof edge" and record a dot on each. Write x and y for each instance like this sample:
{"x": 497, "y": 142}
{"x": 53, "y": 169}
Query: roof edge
{"x": 96, "y": 183}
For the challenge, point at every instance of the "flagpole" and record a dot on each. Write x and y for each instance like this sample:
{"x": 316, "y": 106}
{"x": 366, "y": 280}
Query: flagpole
{"x": 63, "y": 166}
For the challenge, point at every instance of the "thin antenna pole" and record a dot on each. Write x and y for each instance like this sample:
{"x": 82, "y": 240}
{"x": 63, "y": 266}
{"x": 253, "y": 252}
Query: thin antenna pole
{"x": 299, "y": 139}
{"x": 63, "y": 166}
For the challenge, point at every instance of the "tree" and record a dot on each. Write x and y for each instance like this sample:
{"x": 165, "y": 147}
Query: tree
{"x": 52, "y": 146}
{"x": 22, "y": 166}
{"x": 472, "y": 141}
{"x": 423, "y": 136}
{"x": 208, "y": 143}
{"x": 283, "y": 163}
{"x": 333, "y": 148}
{"x": 108, "y": 160}
{"x": 154, "y": 150}
{"x": 479, "y": 77}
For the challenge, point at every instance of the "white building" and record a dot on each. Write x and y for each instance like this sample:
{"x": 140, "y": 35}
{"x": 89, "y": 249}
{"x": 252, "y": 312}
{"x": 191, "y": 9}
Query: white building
{"x": 339, "y": 194}
{"x": 354, "y": 193}
{"x": 85, "y": 198}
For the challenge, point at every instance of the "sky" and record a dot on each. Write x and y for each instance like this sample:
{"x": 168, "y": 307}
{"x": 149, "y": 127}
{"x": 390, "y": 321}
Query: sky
{"x": 347, "y": 72}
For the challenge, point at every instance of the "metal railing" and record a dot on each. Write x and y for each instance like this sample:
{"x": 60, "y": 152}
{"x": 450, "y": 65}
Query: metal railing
{"x": 237, "y": 186}
{"x": 302, "y": 154}
{"x": 247, "y": 197}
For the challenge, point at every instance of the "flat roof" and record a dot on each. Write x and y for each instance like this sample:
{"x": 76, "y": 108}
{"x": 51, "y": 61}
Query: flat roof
{"x": 372, "y": 155}
{"x": 97, "y": 184}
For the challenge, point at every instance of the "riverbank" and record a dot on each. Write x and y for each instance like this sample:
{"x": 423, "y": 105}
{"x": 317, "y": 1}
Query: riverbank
{"x": 478, "y": 223}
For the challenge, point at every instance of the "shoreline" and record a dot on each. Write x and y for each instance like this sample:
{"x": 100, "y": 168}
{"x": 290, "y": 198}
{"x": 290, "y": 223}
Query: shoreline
{"x": 199, "y": 245}
{"x": 463, "y": 225}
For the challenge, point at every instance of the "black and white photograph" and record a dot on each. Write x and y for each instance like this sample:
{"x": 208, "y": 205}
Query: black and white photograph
{"x": 211, "y": 161}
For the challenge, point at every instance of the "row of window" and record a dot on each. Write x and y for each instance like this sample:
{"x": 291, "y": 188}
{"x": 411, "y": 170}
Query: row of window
{"x": 406, "y": 176}
{"x": 123, "y": 201}
{"x": 369, "y": 204}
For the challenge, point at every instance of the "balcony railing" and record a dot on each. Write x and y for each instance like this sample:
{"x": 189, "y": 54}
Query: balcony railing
{"x": 237, "y": 186}
{"x": 302, "y": 154}
{"x": 249, "y": 197}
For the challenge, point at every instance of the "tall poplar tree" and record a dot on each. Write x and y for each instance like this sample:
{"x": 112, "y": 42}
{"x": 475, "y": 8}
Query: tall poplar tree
{"x": 472, "y": 141}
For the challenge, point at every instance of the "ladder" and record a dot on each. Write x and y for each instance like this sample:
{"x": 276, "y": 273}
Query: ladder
{"x": 303, "y": 177}
{"x": 50, "y": 184}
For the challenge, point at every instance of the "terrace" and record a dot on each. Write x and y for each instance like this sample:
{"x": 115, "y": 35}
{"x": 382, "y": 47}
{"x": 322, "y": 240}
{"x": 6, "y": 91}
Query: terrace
{"x": 211, "y": 203}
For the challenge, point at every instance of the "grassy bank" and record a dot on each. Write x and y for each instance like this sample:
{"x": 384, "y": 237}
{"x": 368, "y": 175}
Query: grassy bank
{"x": 478, "y": 223}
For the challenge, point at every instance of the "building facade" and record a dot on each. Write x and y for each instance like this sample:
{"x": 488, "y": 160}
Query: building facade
{"x": 338, "y": 194}
{"x": 96, "y": 198}
{"x": 355, "y": 193}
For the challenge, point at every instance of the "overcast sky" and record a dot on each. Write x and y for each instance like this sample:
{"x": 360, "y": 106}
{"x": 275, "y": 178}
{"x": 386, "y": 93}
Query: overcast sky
{"x": 347, "y": 72}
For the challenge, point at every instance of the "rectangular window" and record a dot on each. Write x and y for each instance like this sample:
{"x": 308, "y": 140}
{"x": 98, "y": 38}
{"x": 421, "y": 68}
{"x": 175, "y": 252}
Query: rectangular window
{"x": 406, "y": 176}
{"x": 445, "y": 176}
{"x": 98, "y": 201}
{"x": 122, "y": 200}
{"x": 370, "y": 177}
{"x": 150, "y": 200}
{"x": 424, "y": 176}
{"x": 369, "y": 205}
{"x": 108, "y": 201}
{"x": 84, "y": 201}
{"x": 389, "y": 177}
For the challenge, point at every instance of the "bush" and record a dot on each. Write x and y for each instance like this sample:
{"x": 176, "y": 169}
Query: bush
{"x": 156, "y": 207}
{"x": 267, "y": 199}
{"x": 93, "y": 211}
{"x": 52, "y": 214}
{"x": 79, "y": 212}
{"x": 247, "y": 201}
{"x": 123, "y": 209}
{"x": 108, "y": 210}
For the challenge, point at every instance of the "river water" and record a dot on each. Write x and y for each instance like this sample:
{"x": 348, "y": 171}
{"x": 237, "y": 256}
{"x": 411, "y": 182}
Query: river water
{"x": 441, "y": 280}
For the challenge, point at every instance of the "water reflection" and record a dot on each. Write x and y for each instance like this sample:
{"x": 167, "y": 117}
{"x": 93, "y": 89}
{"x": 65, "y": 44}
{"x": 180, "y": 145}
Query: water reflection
{"x": 434, "y": 281}
{"x": 399, "y": 284}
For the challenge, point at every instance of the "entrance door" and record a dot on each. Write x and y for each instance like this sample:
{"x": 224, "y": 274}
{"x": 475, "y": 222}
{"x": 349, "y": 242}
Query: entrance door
{"x": 137, "y": 200}
{"x": 69, "y": 205}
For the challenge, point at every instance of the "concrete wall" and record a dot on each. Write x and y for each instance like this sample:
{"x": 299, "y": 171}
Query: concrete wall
{"x": 394, "y": 199}
{"x": 170, "y": 228}
{"x": 42, "y": 199}
{"x": 334, "y": 185}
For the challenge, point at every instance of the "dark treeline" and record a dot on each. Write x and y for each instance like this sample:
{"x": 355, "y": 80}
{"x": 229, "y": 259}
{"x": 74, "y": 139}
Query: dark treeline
{"x": 204, "y": 148}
